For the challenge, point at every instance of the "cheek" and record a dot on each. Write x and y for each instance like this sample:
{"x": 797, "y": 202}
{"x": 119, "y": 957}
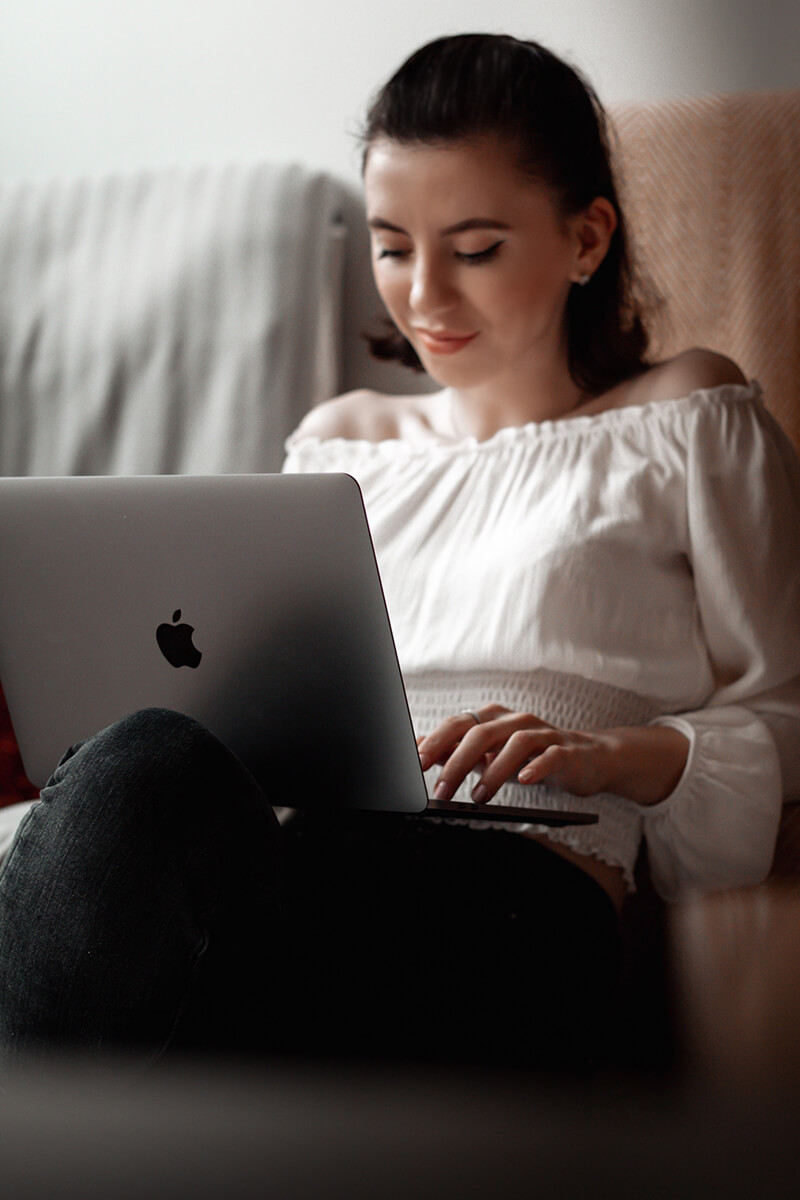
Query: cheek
{"x": 505, "y": 303}
{"x": 537, "y": 291}
{"x": 392, "y": 290}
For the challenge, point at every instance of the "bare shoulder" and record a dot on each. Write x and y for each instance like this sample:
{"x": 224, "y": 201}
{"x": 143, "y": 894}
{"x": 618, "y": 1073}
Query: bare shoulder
{"x": 358, "y": 415}
{"x": 370, "y": 416}
{"x": 688, "y": 372}
{"x": 672, "y": 379}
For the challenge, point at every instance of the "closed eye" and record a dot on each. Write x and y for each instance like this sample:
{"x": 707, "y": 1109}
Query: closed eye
{"x": 480, "y": 256}
{"x": 473, "y": 259}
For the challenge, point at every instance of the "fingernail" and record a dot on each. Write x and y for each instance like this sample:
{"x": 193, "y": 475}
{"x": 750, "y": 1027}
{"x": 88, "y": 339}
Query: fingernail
{"x": 479, "y": 793}
{"x": 525, "y": 774}
{"x": 442, "y": 791}
{"x": 424, "y": 761}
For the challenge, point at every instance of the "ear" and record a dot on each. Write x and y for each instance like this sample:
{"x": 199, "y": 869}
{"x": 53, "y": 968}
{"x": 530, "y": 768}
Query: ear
{"x": 593, "y": 230}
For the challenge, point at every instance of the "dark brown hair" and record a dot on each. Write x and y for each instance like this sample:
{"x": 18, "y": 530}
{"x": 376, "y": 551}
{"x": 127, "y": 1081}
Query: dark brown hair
{"x": 477, "y": 85}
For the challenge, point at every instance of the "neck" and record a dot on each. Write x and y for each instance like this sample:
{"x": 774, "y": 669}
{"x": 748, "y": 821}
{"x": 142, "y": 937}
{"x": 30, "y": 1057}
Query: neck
{"x": 482, "y": 410}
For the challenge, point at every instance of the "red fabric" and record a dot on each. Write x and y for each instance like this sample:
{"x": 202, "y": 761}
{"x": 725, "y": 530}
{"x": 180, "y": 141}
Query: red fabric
{"x": 14, "y": 784}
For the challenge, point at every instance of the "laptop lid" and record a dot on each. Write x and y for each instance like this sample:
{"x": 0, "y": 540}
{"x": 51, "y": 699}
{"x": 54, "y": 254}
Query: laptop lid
{"x": 250, "y": 602}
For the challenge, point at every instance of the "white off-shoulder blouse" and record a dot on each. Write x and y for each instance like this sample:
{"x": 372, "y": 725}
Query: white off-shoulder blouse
{"x": 638, "y": 565}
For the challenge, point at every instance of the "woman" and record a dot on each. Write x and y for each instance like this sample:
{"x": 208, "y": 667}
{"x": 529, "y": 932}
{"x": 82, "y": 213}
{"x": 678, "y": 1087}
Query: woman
{"x": 585, "y": 609}
{"x": 567, "y": 470}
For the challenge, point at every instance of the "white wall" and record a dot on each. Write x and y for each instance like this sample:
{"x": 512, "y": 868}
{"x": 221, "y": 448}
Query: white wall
{"x": 92, "y": 85}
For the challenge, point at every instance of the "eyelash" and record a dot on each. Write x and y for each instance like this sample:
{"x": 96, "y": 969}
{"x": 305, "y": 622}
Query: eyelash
{"x": 481, "y": 256}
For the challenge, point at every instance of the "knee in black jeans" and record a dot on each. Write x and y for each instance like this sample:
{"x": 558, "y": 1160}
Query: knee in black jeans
{"x": 151, "y": 754}
{"x": 151, "y": 843}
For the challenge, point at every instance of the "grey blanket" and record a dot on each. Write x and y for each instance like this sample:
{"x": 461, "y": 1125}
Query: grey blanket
{"x": 169, "y": 322}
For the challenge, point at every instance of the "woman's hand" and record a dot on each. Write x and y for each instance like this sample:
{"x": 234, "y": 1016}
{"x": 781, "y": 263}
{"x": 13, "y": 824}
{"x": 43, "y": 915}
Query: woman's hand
{"x": 643, "y": 764}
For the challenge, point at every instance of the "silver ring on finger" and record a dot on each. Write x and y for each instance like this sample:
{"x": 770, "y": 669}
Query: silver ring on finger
{"x": 467, "y": 712}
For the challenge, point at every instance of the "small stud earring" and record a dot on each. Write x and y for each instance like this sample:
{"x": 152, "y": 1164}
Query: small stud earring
{"x": 583, "y": 280}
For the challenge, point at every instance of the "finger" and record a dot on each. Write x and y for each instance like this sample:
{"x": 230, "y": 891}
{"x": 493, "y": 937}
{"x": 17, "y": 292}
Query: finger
{"x": 472, "y": 753}
{"x": 577, "y": 766}
{"x": 544, "y": 766}
{"x": 424, "y": 757}
{"x": 437, "y": 746}
{"x": 514, "y": 756}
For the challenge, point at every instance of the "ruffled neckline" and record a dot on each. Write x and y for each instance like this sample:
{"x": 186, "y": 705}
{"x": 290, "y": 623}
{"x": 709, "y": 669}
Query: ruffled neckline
{"x": 587, "y": 423}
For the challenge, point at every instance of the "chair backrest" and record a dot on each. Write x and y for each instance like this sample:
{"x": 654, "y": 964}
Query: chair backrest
{"x": 712, "y": 186}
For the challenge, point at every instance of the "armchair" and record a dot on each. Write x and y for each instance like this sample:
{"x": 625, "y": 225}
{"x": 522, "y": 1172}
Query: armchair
{"x": 185, "y": 321}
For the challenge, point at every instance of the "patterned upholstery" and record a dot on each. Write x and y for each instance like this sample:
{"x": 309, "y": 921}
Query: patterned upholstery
{"x": 712, "y": 185}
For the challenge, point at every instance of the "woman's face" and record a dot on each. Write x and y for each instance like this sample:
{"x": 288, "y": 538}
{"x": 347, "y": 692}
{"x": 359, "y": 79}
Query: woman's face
{"x": 472, "y": 259}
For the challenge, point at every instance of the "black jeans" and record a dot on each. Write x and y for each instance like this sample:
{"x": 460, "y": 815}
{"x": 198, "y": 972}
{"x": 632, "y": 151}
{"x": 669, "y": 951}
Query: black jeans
{"x": 152, "y": 900}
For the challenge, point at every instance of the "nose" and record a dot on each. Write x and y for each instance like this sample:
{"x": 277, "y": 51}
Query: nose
{"x": 432, "y": 291}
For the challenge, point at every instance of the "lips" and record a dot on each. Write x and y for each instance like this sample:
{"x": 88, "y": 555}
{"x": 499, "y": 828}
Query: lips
{"x": 444, "y": 342}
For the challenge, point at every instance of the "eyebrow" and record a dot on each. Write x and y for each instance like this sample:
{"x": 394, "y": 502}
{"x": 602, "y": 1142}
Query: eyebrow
{"x": 459, "y": 227}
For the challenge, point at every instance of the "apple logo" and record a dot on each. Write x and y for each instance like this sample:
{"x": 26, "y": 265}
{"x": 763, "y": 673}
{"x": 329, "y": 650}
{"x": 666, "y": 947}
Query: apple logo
{"x": 175, "y": 643}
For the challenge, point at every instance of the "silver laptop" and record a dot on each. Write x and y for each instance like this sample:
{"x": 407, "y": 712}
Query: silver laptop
{"x": 251, "y": 602}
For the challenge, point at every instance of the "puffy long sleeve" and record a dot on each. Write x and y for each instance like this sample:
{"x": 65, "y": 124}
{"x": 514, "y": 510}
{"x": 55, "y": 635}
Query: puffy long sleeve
{"x": 718, "y": 827}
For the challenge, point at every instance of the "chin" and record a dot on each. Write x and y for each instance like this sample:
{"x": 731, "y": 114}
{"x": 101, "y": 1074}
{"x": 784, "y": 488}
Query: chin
{"x": 454, "y": 374}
